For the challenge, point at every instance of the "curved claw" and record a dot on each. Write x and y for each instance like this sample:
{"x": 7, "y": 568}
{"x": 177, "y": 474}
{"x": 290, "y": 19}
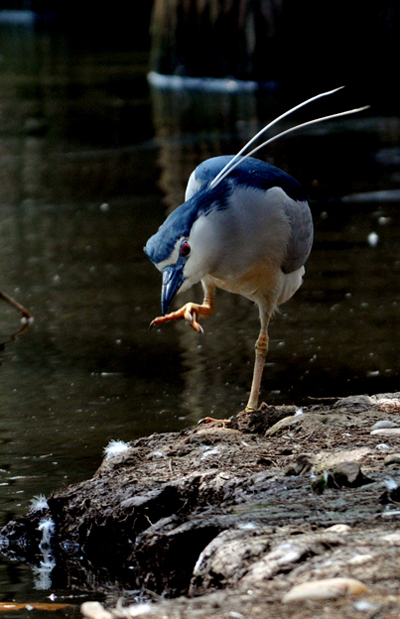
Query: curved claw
{"x": 192, "y": 318}
{"x": 187, "y": 312}
{"x": 223, "y": 422}
{"x": 197, "y": 326}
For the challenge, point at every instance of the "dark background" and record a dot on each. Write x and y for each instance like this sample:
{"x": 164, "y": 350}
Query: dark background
{"x": 297, "y": 44}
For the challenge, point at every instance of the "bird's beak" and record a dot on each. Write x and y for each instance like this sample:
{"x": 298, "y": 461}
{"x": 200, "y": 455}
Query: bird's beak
{"x": 172, "y": 280}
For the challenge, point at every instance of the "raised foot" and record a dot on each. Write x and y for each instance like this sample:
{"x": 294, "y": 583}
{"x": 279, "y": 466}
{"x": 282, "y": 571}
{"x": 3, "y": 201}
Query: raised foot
{"x": 190, "y": 312}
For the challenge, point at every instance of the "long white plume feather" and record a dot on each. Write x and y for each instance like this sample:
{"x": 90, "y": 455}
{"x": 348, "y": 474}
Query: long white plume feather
{"x": 238, "y": 157}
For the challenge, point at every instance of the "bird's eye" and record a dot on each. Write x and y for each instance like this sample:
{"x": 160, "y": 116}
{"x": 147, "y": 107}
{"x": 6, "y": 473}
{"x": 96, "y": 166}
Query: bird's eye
{"x": 185, "y": 249}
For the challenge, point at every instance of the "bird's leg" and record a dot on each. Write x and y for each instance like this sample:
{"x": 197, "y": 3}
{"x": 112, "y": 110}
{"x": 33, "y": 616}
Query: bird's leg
{"x": 261, "y": 353}
{"x": 191, "y": 311}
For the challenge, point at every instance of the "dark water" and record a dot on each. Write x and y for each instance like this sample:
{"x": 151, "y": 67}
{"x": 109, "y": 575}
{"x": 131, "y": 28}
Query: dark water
{"x": 90, "y": 162}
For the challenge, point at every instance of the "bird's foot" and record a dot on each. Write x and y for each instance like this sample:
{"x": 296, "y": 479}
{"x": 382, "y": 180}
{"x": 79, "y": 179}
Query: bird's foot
{"x": 223, "y": 422}
{"x": 262, "y": 407}
{"x": 190, "y": 312}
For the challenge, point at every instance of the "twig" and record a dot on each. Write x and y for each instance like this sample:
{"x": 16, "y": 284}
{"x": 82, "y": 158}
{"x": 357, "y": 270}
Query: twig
{"x": 16, "y": 305}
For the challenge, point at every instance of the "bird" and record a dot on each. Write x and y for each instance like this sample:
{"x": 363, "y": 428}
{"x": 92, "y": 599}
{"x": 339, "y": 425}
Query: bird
{"x": 245, "y": 227}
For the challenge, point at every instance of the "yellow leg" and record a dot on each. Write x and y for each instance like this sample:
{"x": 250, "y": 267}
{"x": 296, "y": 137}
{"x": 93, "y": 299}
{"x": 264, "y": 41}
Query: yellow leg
{"x": 191, "y": 312}
{"x": 261, "y": 353}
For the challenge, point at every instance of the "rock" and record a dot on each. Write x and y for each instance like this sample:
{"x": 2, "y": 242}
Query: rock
{"x": 211, "y": 513}
{"x": 387, "y": 402}
{"x": 384, "y": 423}
{"x": 259, "y": 421}
{"x": 324, "y": 590}
{"x": 284, "y": 424}
{"x": 312, "y": 421}
{"x": 392, "y": 459}
{"x": 357, "y": 403}
{"x": 339, "y": 528}
{"x": 280, "y": 559}
{"x": 94, "y": 610}
{"x": 343, "y": 475}
{"x": 301, "y": 466}
{"x": 392, "y": 539}
{"x": 349, "y": 475}
{"x": 387, "y": 431}
{"x": 226, "y": 558}
{"x": 363, "y": 606}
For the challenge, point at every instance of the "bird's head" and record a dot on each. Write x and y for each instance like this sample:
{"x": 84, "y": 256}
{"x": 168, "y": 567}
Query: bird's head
{"x": 185, "y": 246}
{"x": 170, "y": 254}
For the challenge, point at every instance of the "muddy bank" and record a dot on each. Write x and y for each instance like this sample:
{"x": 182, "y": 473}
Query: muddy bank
{"x": 226, "y": 520}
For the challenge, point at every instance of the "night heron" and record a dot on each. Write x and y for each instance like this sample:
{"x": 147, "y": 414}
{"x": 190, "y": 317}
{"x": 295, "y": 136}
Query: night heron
{"x": 245, "y": 227}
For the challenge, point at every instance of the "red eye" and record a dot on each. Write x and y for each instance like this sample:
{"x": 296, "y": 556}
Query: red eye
{"x": 185, "y": 249}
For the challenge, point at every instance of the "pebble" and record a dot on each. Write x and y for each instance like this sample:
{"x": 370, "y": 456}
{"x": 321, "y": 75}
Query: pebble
{"x": 365, "y": 605}
{"x": 392, "y": 538}
{"x": 94, "y": 610}
{"x": 387, "y": 431}
{"x": 300, "y": 466}
{"x": 392, "y": 459}
{"x": 360, "y": 402}
{"x": 384, "y": 423}
{"x": 324, "y": 590}
{"x": 348, "y": 474}
{"x": 360, "y": 559}
{"x": 137, "y": 610}
{"x": 339, "y": 528}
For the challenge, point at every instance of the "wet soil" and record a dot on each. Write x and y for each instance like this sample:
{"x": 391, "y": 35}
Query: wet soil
{"x": 223, "y": 520}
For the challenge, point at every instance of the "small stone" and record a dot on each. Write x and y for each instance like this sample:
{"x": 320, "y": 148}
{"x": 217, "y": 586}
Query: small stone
{"x": 339, "y": 528}
{"x": 356, "y": 403}
{"x": 94, "y": 610}
{"x": 136, "y": 610}
{"x": 348, "y": 475}
{"x": 365, "y": 605}
{"x": 325, "y": 589}
{"x": 392, "y": 459}
{"x": 301, "y": 466}
{"x": 384, "y": 423}
{"x": 360, "y": 559}
{"x": 392, "y": 538}
{"x": 284, "y": 424}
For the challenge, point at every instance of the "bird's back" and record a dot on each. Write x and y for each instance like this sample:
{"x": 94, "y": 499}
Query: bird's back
{"x": 273, "y": 196}
{"x": 250, "y": 172}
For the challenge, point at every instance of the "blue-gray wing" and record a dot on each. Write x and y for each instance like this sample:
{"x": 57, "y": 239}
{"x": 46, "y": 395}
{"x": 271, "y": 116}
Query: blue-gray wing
{"x": 301, "y": 240}
{"x": 261, "y": 175}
